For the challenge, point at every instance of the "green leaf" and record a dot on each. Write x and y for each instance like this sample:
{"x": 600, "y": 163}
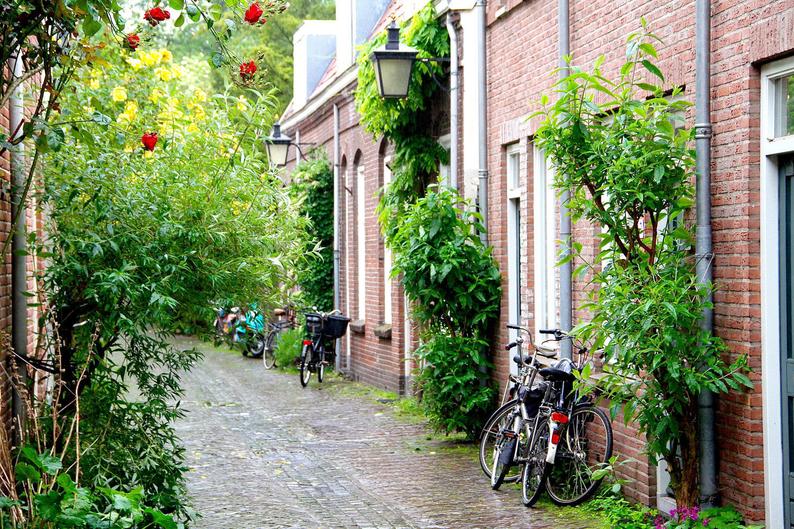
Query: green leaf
{"x": 177, "y": 4}
{"x": 193, "y": 12}
{"x": 216, "y": 12}
{"x": 160, "y": 519}
{"x": 180, "y": 20}
{"x": 91, "y": 26}
{"x": 653, "y": 69}
{"x": 27, "y": 472}
{"x": 100, "y": 118}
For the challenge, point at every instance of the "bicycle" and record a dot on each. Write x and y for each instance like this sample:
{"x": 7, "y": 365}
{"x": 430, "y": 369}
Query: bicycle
{"x": 562, "y": 457}
{"x": 275, "y": 328}
{"x": 320, "y": 328}
{"x": 507, "y": 430}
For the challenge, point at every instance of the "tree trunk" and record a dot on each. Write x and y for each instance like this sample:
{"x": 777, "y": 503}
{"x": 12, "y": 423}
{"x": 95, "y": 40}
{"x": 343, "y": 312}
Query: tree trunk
{"x": 687, "y": 489}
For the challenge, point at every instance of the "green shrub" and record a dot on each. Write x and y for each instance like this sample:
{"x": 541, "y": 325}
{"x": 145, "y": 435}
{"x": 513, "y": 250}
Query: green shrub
{"x": 618, "y": 513}
{"x": 288, "y": 348}
{"x": 455, "y": 394}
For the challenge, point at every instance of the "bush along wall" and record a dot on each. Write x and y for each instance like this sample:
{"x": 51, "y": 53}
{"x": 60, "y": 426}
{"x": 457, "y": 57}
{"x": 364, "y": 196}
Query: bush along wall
{"x": 448, "y": 274}
{"x": 313, "y": 180}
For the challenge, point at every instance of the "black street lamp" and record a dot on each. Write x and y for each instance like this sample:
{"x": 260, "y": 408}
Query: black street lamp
{"x": 393, "y": 65}
{"x": 277, "y": 146}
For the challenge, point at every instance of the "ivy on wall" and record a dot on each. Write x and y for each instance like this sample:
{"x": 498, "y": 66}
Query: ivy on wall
{"x": 448, "y": 274}
{"x": 314, "y": 181}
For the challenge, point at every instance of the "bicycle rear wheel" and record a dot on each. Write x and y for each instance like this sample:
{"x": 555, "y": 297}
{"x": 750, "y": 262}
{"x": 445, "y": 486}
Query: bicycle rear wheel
{"x": 535, "y": 472}
{"x": 488, "y": 438}
{"x": 255, "y": 345}
{"x": 306, "y": 359}
{"x": 586, "y": 446}
{"x": 320, "y": 365}
{"x": 269, "y": 356}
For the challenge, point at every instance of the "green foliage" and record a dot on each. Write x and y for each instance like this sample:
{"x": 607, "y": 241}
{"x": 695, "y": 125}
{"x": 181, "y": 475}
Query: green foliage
{"x": 618, "y": 513}
{"x": 313, "y": 181}
{"x": 629, "y": 169}
{"x": 447, "y": 271}
{"x": 50, "y": 499}
{"x": 138, "y": 241}
{"x": 288, "y": 348}
{"x": 456, "y": 393}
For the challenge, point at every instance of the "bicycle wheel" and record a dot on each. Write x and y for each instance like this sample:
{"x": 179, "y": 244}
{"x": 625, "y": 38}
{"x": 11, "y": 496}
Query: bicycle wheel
{"x": 585, "y": 447}
{"x": 535, "y": 472}
{"x": 269, "y": 355}
{"x": 255, "y": 345}
{"x": 488, "y": 437}
{"x": 320, "y": 365}
{"x": 306, "y": 359}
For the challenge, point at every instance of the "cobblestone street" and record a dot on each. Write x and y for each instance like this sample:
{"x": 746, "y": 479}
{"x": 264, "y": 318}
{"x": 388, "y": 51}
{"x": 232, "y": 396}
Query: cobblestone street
{"x": 265, "y": 453}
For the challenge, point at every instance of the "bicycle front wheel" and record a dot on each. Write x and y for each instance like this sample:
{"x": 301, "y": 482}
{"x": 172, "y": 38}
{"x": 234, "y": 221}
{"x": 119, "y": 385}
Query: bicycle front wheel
{"x": 586, "y": 446}
{"x": 320, "y": 365}
{"x": 535, "y": 473}
{"x": 306, "y": 359}
{"x": 491, "y": 433}
{"x": 269, "y": 356}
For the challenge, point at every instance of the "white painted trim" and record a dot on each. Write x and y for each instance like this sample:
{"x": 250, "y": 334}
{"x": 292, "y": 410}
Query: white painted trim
{"x": 771, "y": 384}
{"x": 345, "y": 180}
{"x": 387, "y": 256}
{"x": 543, "y": 212}
{"x": 361, "y": 232}
{"x": 513, "y": 155}
{"x": 444, "y": 173}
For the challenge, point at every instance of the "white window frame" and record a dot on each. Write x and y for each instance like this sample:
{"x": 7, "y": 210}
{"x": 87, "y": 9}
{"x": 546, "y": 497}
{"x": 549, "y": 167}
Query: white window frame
{"x": 544, "y": 201}
{"x": 514, "y": 193}
{"x": 387, "y": 255}
{"x": 361, "y": 212}
{"x": 444, "y": 171}
{"x": 771, "y": 389}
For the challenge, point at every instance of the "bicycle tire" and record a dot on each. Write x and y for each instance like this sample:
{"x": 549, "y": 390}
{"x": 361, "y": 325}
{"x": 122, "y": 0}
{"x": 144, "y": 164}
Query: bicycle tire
{"x": 486, "y": 439}
{"x": 321, "y": 367}
{"x": 575, "y": 461}
{"x": 269, "y": 354}
{"x": 305, "y": 371}
{"x": 535, "y": 470}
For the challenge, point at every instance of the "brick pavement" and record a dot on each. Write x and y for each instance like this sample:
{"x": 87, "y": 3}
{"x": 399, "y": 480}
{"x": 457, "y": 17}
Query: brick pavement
{"x": 265, "y": 453}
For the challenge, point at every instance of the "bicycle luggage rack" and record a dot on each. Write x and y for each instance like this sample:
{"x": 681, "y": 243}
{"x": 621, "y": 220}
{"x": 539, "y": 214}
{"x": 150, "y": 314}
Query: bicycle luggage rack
{"x": 314, "y": 324}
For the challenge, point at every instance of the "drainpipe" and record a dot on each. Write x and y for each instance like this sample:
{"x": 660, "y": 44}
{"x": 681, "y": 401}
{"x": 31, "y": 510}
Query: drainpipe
{"x": 337, "y": 297}
{"x": 479, "y": 36}
{"x": 19, "y": 303}
{"x": 708, "y": 452}
{"x": 454, "y": 95}
{"x": 566, "y": 272}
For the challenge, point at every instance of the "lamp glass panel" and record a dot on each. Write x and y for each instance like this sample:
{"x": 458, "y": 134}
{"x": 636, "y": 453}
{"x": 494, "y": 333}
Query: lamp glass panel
{"x": 395, "y": 76}
{"x": 277, "y": 153}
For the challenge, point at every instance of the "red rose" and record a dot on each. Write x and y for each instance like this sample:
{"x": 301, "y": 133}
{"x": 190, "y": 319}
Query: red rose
{"x": 247, "y": 70}
{"x": 133, "y": 41}
{"x": 253, "y": 13}
{"x": 149, "y": 140}
{"x": 156, "y": 15}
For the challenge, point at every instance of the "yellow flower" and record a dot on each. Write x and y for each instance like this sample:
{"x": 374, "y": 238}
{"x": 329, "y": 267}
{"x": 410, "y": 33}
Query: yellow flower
{"x": 148, "y": 154}
{"x": 150, "y": 59}
{"x": 199, "y": 113}
{"x": 193, "y": 128}
{"x": 199, "y": 95}
{"x": 155, "y": 95}
{"x": 119, "y": 94}
{"x": 242, "y": 103}
{"x": 163, "y": 73}
{"x": 93, "y": 84}
{"x": 165, "y": 56}
{"x": 129, "y": 114}
{"x": 176, "y": 72}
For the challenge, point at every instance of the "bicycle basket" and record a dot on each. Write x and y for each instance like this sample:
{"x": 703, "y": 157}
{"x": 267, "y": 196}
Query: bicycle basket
{"x": 314, "y": 324}
{"x": 335, "y": 326}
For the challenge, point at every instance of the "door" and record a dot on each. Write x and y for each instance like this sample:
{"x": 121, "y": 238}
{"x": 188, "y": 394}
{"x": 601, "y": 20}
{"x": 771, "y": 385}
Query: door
{"x": 787, "y": 328}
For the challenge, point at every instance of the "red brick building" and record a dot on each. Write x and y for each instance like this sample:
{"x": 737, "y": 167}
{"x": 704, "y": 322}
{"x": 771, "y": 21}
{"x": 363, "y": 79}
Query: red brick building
{"x": 752, "y": 97}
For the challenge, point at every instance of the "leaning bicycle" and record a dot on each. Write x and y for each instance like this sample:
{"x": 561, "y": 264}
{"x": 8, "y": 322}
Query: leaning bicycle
{"x": 285, "y": 319}
{"x": 322, "y": 329}
{"x": 571, "y": 437}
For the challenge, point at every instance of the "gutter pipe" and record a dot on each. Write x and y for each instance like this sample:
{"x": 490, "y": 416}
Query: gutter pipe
{"x": 566, "y": 271}
{"x": 704, "y": 251}
{"x": 454, "y": 96}
{"x": 337, "y": 255}
{"x": 482, "y": 84}
{"x": 19, "y": 304}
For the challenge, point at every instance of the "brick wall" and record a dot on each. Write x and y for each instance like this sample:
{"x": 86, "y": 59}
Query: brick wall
{"x": 744, "y": 34}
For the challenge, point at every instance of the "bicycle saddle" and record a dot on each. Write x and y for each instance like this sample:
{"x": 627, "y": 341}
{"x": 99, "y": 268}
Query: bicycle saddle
{"x": 562, "y": 370}
{"x": 525, "y": 360}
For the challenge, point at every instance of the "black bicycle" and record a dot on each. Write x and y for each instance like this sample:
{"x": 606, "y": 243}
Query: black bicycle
{"x": 571, "y": 437}
{"x": 322, "y": 329}
{"x": 285, "y": 320}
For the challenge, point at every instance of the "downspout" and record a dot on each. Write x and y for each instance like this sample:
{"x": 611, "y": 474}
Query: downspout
{"x": 454, "y": 96}
{"x": 566, "y": 273}
{"x": 708, "y": 452}
{"x": 19, "y": 303}
{"x": 337, "y": 296}
{"x": 482, "y": 196}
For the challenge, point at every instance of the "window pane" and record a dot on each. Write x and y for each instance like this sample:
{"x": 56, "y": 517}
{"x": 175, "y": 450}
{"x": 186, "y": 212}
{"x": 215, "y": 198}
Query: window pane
{"x": 784, "y": 106}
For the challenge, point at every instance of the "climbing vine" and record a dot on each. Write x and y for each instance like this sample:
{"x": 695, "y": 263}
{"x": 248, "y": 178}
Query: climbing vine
{"x": 448, "y": 274}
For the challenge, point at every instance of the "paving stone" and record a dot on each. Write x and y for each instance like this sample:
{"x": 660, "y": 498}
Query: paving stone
{"x": 265, "y": 453}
